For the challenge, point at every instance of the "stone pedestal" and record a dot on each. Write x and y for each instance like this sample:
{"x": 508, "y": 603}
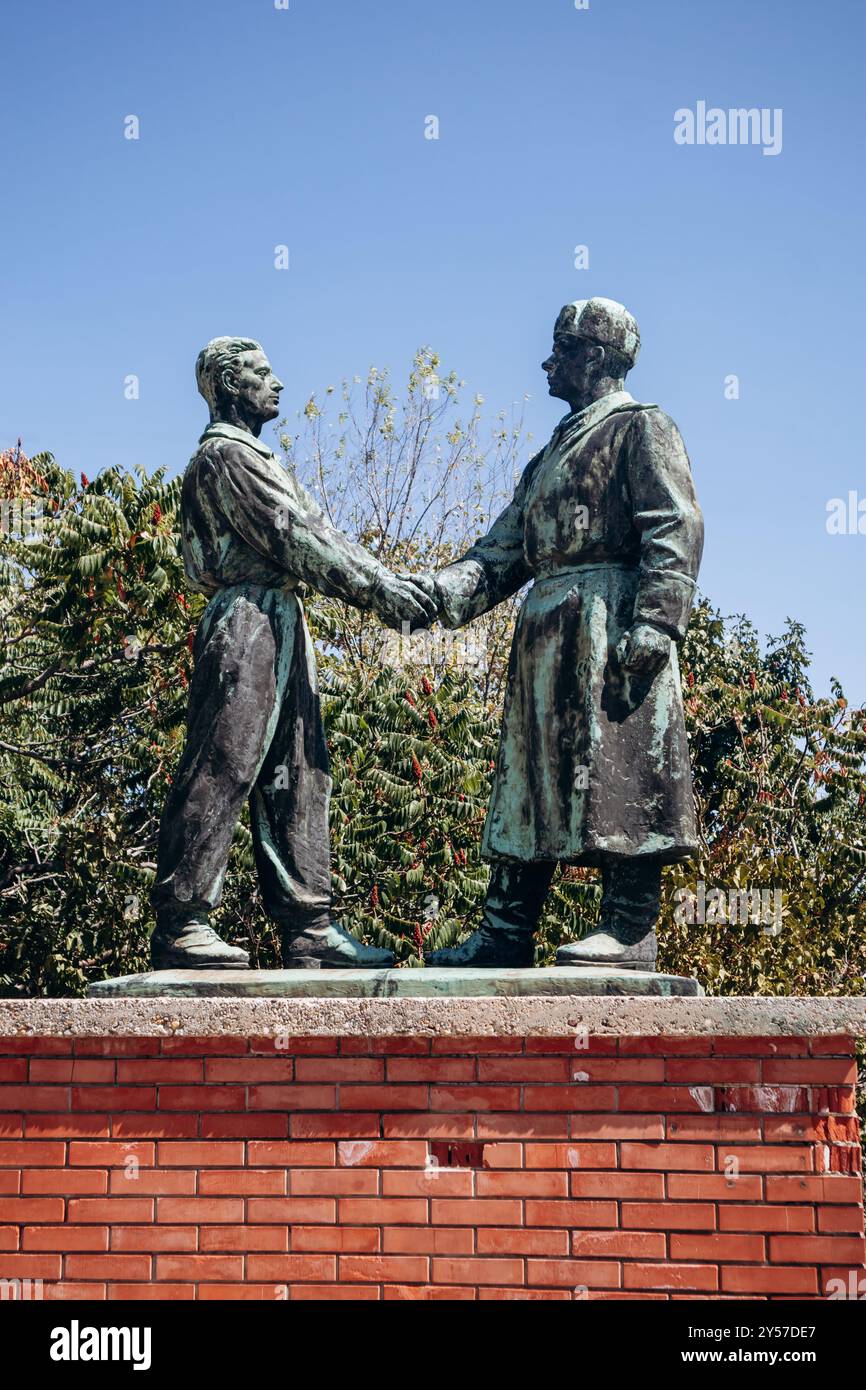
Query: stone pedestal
{"x": 560, "y": 1146}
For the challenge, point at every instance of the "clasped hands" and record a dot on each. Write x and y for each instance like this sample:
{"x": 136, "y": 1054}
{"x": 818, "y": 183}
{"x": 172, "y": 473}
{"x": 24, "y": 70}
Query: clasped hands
{"x": 411, "y": 599}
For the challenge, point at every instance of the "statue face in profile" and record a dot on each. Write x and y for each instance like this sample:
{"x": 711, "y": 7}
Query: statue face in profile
{"x": 253, "y": 386}
{"x": 571, "y": 366}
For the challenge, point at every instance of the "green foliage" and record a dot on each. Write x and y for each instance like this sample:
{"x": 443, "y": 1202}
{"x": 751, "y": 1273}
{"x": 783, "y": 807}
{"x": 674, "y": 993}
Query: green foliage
{"x": 97, "y": 629}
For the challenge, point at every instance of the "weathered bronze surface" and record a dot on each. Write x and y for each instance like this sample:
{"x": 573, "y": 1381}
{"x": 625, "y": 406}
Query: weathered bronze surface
{"x": 593, "y": 765}
{"x": 252, "y": 539}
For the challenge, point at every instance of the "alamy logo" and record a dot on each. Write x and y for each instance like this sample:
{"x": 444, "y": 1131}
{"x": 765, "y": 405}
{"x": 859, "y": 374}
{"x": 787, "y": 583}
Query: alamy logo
{"x": 735, "y": 907}
{"x": 737, "y": 126}
{"x": 77, "y": 1343}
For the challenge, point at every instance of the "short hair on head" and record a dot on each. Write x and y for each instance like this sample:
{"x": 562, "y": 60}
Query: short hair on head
{"x": 616, "y": 365}
{"x": 212, "y": 361}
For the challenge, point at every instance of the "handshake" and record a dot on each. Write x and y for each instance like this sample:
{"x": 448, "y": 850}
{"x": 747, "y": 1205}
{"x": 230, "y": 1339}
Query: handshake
{"x": 406, "y": 598}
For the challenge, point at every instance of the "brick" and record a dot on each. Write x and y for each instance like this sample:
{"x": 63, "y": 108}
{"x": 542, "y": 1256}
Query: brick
{"x": 579, "y": 1045}
{"x": 325, "y": 1182}
{"x": 648, "y": 1186}
{"x": 729, "y": 1247}
{"x": 477, "y": 1047}
{"x": 674, "y": 1157}
{"x": 83, "y": 1154}
{"x": 67, "y": 1126}
{"x": 476, "y": 1272}
{"x": 823, "y": 1071}
{"x": 761, "y": 1047}
{"x": 292, "y": 1097}
{"x": 665, "y": 1047}
{"x": 212, "y": 1154}
{"x": 441, "y": 1069}
{"x": 764, "y": 1100}
{"x": 26, "y": 1098}
{"x": 161, "y": 1069}
{"x": 174, "y": 1293}
{"x": 199, "y": 1210}
{"x": 387, "y": 1047}
{"x": 36, "y": 1047}
{"x": 524, "y": 1070}
{"x": 10, "y": 1182}
{"x": 833, "y": 1129}
{"x": 243, "y": 1239}
{"x": 574, "y": 1274}
{"x": 290, "y": 1155}
{"x": 617, "y": 1126}
{"x": 704, "y": 1278}
{"x": 42, "y": 1210}
{"x": 65, "y": 1182}
{"x": 519, "y": 1127}
{"x": 351, "y": 1293}
{"x": 716, "y": 1071}
{"x": 21, "y": 1266}
{"x": 278, "y": 1211}
{"x": 502, "y": 1156}
{"x": 410, "y": 1269}
{"x": 112, "y": 1098}
{"x": 714, "y": 1187}
{"x": 798, "y": 1249}
{"x": 380, "y": 1098}
{"x": 116, "y": 1047}
{"x": 578, "y": 1155}
{"x": 490, "y": 1212}
{"x": 87, "y": 1266}
{"x": 358, "y": 1240}
{"x": 149, "y": 1182}
{"x": 428, "y": 1240}
{"x": 11, "y": 1126}
{"x": 17, "y": 1153}
{"x": 266, "y": 1125}
{"x": 384, "y": 1211}
{"x": 440, "y": 1126}
{"x": 66, "y": 1289}
{"x": 663, "y": 1100}
{"x": 159, "y": 1125}
{"x": 836, "y": 1045}
{"x": 245, "y": 1071}
{"x": 754, "y": 1280}
{"x": 246, "y": 1182}
{"x": 428, "y": 1293}
{"x": 204, "y": 1047}
{"x": 767, "y": 1158}
{"x": 343, "y": 1070}
{"x": 618, "y": 1245}
{"x": 428, "y": 1182}
{"x": 382, "y": 1154}
{"x": 568, "y": 1214}
{"x": 493, "y": 1240}
{"x": 766, "y": 1218}
{"x": 197, "y": 1098}
{"x": 183, "y": 1239}
{"x": 832, "y": 1220}
{"x": 474, "y": 1098}
{"x": 669, "y": 1216}
{"x": 336, "y": 1126}
{"x": 67, "y": 1237}
{"x": 109, "y": 1210}
{"x": 539, "y": 1183}
{"x": 200, "y": 1267}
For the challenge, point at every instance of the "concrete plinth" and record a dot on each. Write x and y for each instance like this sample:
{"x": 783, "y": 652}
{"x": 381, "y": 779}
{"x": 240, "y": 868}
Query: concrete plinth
{"x": 560, "y": 982}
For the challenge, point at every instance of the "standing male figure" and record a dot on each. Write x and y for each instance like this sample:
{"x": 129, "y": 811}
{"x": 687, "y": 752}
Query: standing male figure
{"x": 251, "y": 537}
{"x": 593, "y": 764}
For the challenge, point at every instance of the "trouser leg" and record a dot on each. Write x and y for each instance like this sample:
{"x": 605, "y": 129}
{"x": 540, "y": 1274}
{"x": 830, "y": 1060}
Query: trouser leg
{"x": 289, "y": 802}
{"x": 631, "y": 896}
{"x": 231, "y": 704}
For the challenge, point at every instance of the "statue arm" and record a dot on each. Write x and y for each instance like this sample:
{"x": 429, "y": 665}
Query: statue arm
{"x": 492, "y": 569}
{"x": 669, "y": 520}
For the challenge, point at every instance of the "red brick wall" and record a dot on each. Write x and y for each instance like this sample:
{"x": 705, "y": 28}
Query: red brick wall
{"x": 231, "y": 1168}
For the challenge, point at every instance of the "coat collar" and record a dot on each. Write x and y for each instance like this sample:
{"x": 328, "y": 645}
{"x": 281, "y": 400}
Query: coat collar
{"x": 578, "y": 421}
{"x": 218, "y": 429}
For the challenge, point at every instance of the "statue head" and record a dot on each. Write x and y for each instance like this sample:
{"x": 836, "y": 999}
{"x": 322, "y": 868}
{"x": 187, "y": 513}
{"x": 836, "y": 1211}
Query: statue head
{"x": 238, "y": 382}
{"x": 595, "y": 344}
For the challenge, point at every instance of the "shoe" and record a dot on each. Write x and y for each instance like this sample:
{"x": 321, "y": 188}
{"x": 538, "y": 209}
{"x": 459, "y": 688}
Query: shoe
{"x": 193, "y": 946}
{"x": 330, "y": 947}
{"x": 606, "y": 947}
{"x": 486, "y": 948}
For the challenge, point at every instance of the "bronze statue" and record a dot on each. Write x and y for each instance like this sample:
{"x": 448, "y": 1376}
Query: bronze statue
{"x": 252, "y": 539}
{"x": 593, "y": 765}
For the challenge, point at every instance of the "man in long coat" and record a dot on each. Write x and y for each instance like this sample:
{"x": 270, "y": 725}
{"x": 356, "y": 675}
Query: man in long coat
{"x": 593, "y": 765}
{"x": 252, "y": 539}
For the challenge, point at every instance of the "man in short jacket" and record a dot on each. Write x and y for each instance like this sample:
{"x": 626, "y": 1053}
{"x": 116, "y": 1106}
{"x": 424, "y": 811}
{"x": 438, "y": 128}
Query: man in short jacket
{"x": 251, "y": 537}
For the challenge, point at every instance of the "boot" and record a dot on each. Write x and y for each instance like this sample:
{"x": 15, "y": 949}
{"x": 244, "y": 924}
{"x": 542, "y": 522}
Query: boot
{"x": 487, "y": 947}
{"x": 625, "y": 935}
{"x": 327, "y": 946}
{"x": 192, "y": 944}
{"x": 512, "y": 908}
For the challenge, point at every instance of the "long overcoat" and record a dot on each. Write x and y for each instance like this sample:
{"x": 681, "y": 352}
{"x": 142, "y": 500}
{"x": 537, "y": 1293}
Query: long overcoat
{"x": 605, "y": 523}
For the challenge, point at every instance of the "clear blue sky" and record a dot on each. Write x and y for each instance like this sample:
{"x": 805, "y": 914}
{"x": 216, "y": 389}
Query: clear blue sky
{"x": 306, "y": 127}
